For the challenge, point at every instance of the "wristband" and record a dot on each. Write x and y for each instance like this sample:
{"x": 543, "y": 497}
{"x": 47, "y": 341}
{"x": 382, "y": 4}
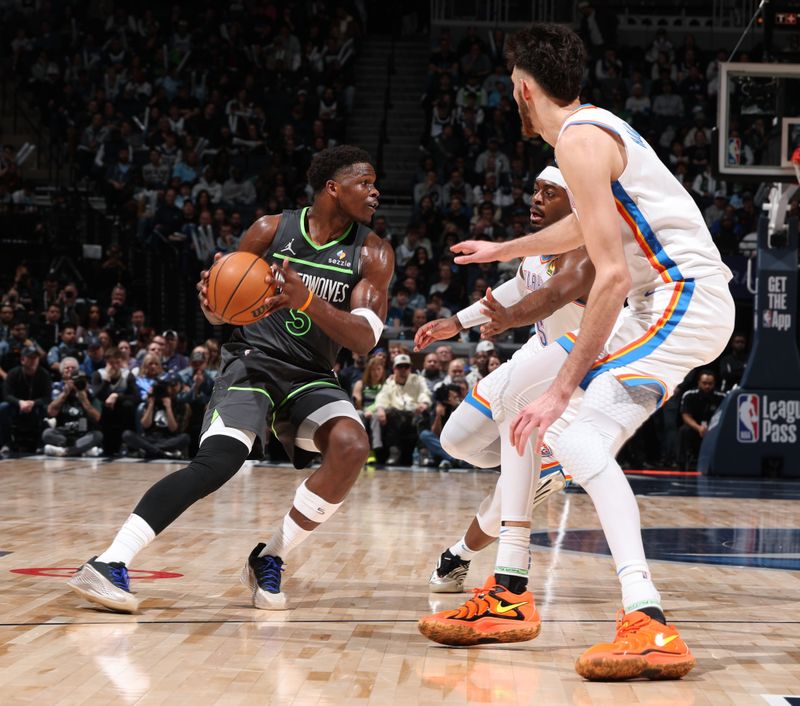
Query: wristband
{"x": 308, "y": 301}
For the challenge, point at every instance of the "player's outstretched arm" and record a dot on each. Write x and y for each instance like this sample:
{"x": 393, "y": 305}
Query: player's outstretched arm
{"x": 572, "y": 280}
{"x": 436, "y": 330}
{"x": 360, "y": 328}
{"x": 508, "y": 293}
{"x": 256, "y": 240}
{"x": 561, "y": 237}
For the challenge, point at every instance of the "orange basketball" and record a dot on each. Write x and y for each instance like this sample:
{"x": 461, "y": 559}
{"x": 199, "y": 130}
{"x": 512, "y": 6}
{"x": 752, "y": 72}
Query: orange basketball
{"x": 236, "y": 288}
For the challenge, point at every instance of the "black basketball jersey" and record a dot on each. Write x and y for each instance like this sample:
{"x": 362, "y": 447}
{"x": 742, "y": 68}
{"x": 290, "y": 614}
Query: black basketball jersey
{"x": 330, "y": 271}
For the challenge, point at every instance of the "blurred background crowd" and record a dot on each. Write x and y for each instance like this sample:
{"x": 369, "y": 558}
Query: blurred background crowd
{"x": 182, "y": 125}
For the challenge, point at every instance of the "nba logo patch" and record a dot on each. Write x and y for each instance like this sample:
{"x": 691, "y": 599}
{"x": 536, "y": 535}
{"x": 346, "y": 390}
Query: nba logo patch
{"x": 747, "y": 418}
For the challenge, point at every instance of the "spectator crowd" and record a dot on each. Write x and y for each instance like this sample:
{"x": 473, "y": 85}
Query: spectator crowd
{"x": 191, "y": 120}
{"x": 194, "y": 123}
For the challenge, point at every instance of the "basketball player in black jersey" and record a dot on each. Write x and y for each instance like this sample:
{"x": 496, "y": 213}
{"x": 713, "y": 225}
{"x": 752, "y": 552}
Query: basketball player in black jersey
{"x": 334, "y": 275}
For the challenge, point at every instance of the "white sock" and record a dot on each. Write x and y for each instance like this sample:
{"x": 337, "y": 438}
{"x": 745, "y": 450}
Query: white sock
{"x": 619, "y": 515}
{"x": 134, "y": 535}
{"x": 638, "y": 591}
{"x": 288, "y": 536}
{"x": 513, "y": 552}
{"x": 460, "y": 549}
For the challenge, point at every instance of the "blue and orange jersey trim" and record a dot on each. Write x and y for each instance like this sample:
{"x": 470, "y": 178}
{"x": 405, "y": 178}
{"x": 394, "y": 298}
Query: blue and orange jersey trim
{"x": 482, "y": 405}
{"x": 582, "y": 106}
{"x": 550, "y": 467}
{"x": 645, "y": 344}
{"x": 644, "y": 235}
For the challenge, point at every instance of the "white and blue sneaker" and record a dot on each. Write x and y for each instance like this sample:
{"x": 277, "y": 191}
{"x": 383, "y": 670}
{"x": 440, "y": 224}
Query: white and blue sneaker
{"x": 262, "y": 575}
{"x": 104, "y": 584}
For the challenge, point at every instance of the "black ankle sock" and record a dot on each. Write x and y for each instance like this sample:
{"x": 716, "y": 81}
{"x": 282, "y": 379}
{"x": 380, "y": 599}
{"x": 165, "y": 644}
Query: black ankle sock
{"x": 654, "y": 613}
{"x": 515, "y": 584}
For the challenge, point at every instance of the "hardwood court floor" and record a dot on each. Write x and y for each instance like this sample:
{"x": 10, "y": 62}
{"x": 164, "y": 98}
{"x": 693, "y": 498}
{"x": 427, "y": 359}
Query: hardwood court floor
{"x": 359, "y": 585}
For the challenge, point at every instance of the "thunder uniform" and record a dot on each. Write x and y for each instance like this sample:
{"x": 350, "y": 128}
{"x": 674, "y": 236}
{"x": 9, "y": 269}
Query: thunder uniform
{"x": 278, "y": 371}
{"x": 532, "y": 275}
{"x": 680, "y": 313}
{"x": 479, "y": 433}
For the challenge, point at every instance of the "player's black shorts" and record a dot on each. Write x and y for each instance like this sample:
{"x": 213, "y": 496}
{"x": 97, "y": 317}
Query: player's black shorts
{"x": 255, "y": 391}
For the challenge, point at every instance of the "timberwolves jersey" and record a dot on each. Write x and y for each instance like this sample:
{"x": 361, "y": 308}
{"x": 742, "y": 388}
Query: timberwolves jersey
{"x": 330, "y": 271}
{"x": 535, "y": 271}
{"x": 664, "y": 234}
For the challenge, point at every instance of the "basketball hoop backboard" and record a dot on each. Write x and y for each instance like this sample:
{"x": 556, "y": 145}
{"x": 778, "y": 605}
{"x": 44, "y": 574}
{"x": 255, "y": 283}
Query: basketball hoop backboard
{"x": 758, "y": 121}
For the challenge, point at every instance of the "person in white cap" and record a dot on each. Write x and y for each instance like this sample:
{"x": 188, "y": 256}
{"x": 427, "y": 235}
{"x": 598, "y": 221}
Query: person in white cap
{"x": 481, "y": 358}
{"x": 546, "y": 292}
{"x": 402, "y": 399}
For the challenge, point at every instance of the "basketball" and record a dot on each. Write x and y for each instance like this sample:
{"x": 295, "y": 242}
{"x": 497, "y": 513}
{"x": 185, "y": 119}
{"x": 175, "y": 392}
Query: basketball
{"x": 236, "y": 288}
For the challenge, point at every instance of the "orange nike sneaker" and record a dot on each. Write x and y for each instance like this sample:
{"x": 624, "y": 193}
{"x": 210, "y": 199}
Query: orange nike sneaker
{"x": 493, "y": 614}
{"x": 643, "y": 647}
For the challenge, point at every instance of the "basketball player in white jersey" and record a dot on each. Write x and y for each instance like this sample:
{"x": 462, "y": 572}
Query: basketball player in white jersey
{"x": 649, "y": 244}
{"x": 546, "y": 292}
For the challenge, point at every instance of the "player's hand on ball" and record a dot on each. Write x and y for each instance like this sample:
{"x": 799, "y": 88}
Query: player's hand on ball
{"x": 293, "y": 291}
{"x": 538, "y": 415}
{"x": 202, "y": 294}
{"x": 436, "y": 330}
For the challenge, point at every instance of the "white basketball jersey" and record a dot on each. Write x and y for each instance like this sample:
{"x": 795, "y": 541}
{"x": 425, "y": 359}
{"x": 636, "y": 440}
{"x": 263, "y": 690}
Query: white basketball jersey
{"x": 664, "y": 235}
{"x": 534, "y": 272}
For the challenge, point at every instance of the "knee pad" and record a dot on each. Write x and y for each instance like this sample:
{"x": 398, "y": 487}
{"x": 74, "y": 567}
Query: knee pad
{"x": 217, "y": 461}
{"x": 468, "y": 435}
{"x": 609, "y": 416}
{"x": 585, "y": 446}
{"x": 628, "y": 406}
{"x": 312, "y": 506}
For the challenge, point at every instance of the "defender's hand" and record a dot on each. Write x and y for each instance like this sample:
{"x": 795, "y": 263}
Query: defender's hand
{"x": 538, "y": 415}
{"x": 476, "y": 251}
{"x": 500, "y": 319}
{"x": 436, "y": 330}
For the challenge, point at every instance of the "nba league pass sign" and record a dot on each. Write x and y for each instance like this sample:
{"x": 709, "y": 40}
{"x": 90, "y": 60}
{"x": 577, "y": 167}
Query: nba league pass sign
{"x": 762, "y": 417}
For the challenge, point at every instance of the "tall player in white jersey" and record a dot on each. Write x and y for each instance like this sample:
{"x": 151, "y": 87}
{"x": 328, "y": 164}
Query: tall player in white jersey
{"x": 649, "y": 244}
{"x": 547, "y": 292}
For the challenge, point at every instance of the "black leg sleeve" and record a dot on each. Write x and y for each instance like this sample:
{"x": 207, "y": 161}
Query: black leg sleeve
{"x": 216, "y": 463}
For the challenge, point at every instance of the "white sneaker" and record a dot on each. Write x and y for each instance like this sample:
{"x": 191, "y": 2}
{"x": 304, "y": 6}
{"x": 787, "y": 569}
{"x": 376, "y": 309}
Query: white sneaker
{"x": 262, "y": 575}
{"x": 548, "y": 484}
{"x": 449, "y": 574}
{"x": 51, "y": 450}
{"x": 93, "y": 452}
{"x": 105, "y": 584}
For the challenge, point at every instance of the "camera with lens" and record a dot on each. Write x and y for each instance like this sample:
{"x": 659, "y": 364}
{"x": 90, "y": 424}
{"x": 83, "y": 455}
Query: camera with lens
{"x": 80, "y": 380}
{"x": 159, "y": 389}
